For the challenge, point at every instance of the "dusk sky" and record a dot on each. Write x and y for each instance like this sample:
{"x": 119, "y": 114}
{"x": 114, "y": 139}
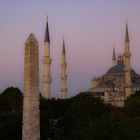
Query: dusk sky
{"x": 90, "y": 28}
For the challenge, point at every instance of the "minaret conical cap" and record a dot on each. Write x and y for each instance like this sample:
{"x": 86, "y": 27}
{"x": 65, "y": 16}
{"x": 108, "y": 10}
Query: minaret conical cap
{"x": 126, "y": 34}
{"x": 47, "y": 36}
{"x": 63, "y": 50}
{"x": 114, "y": 55}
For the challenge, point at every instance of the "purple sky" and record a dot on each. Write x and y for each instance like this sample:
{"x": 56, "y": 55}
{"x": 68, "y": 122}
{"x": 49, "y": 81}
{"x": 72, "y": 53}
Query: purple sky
{"x": 90, "y": 27}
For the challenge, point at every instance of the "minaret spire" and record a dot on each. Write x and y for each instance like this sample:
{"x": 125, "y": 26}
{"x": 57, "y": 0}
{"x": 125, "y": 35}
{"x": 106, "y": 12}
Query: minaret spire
{"x": 127, "y": 67}
{"x": 63, "y": 50}
{"x": 126, "y": 33}
{"x": 47, "y": 62}
{"x": 114, "y": 57}
{"x": 63, "y": 73}
{"x": 47, "y": 35}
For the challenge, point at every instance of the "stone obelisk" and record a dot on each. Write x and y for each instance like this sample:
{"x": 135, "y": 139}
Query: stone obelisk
{"x": 31, "y": 115}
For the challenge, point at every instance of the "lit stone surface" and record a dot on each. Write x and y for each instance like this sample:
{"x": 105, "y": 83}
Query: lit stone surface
{"x": 31, "y": 115}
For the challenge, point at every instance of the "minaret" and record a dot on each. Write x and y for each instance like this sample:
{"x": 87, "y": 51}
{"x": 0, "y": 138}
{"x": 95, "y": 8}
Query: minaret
{"x": 63, "y": 73}
{"x": 127, "y": 68}
{"x": 47, "y": 63}
{"x": 114, "y": 57}
{"x": 31, "y": 115}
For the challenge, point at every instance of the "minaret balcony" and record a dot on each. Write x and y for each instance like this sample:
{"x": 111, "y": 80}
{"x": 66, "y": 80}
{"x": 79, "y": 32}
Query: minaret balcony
{"x": 47, "y": 60}
{"x": 127, "y": 85}
{"x": 127, "y": 54}
{"x": 64, "y": 77}
{"x": 64, "y": 90}
{"x": 47, "y": 79}
{"x": 127, "y": 69}
{"x": 64, "y": 64}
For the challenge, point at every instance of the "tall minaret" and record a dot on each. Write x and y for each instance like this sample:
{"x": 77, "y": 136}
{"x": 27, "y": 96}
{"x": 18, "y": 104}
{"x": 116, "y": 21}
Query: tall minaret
{"x": 47, "y": 63}
{"x": 127, "y": 68}
{"x": 63, "y": 73}
{"x": 114, "y": 57}
{"x": 31, "y": 115}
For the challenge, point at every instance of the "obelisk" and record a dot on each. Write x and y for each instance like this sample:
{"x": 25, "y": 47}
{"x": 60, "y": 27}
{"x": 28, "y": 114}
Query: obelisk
{"x": 31, "y": 115}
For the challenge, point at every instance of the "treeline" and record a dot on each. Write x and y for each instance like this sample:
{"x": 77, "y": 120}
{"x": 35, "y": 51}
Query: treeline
{"x": 83, "y": 117}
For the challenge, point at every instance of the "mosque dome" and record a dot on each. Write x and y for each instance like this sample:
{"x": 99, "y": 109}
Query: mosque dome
{"x": 118, "y": 68}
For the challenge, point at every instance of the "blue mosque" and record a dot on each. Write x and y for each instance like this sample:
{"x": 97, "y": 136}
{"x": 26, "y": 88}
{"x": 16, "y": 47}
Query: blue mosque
{"x": 120, "y": 81}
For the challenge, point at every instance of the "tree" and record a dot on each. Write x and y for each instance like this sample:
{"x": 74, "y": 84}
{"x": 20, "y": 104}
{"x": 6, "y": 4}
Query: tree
{"x": 11, "y": 114}
{"x": 83, "y": 114}
{"x": 78, "y": 118}
{"x": 132, "y": 105}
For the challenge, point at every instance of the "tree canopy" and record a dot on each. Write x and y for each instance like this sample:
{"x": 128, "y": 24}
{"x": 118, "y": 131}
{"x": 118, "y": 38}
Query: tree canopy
{"x": 83, "y": 117}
